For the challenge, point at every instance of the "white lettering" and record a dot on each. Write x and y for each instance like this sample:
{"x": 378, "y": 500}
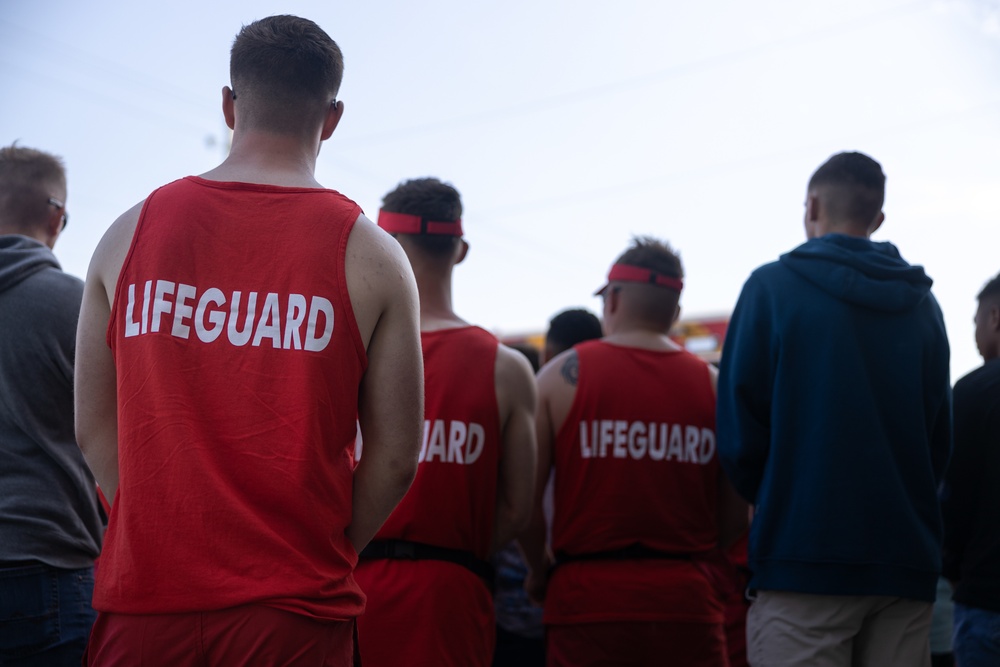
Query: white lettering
{"x": 131, "y": 326}
{"x": 182, "y": 311}
{"x": 683, "y": 443}
{"x": 475, "y": 444}
{"x": 177, "y": 307}
{"x": 707, "y": 445}
{"x": 637, "y": 440}
{"x": 145, "y": 305}
{"x": 675, "y": 448}
{"x": 437, "y": 446}
{"x": 160, "y": 305}
{"x": 237, "y": 337}
{"x": 269, "y": 325}
{"x": 607, "y": 436}
{"x": 319, "y": 305}
{"x": 620, "y": 439}
{"x": 456, "y": 439}
{"x": 293, "y": 321}
{"x": 217, "y": 317}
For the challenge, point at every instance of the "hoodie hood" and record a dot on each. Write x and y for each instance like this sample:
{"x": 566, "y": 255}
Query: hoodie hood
{"x": 21, "y": 257}
{"x": 858, "y": 271}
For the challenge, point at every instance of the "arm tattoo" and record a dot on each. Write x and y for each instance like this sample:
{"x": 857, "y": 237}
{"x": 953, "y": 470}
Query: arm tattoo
{"x": 571, "y": 368}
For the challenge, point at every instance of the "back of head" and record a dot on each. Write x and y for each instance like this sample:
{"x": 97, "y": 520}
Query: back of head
{"x": 652, "y": 303}
{"x": 570, "y": 327}
{"x": 28, "y": 179}
{"x": 285, "y": 72}
{"x": 988, "y": 320}
{"x": 991, "y": 291}
{"x": 852, "y": 188}
{"x": 432, "y": 201}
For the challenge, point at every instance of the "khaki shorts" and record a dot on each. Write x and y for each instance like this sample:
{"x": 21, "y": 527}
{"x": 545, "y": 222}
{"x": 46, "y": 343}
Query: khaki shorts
{"x": 786, "y": 629}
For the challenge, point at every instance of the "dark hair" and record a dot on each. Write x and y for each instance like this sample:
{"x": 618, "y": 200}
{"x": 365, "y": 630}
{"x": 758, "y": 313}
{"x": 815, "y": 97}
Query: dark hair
{"x": 991, "y": 289}
{"x": 653, "y": 254}
{"x": 27, "y": 179}
{"x": 286, "y": 70}
{"x": 432, "y": 200}
{"x": 857, "y": 187}
{"x": 530, "y": 352}
{"x": 573, "y": 326}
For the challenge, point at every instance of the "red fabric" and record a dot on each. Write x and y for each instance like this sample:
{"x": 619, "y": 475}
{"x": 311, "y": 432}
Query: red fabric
{"x": 251, "y": 636}
{"x": 235, "y": 431}
{"x": 637, "y": 274}
{"x": 636, "y": 644}
{"x": 452, "y": 504}
{"x": 616, "y": 485}
{"x": 403, "y": 223}
{"x": 424, "y": 613}
{"x": 431, "y": 612}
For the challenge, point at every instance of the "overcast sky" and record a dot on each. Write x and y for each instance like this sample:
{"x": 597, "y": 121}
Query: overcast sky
{"x": 568, "y": 127}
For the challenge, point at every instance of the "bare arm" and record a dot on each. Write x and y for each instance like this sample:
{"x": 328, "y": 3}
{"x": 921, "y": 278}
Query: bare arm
{"x": 391, "y": 399}
{"x": 556, "y": 390}
{"x": 733, "y": 511}
{"x": 96, "y": 388}
{"x": 515, "y": 388}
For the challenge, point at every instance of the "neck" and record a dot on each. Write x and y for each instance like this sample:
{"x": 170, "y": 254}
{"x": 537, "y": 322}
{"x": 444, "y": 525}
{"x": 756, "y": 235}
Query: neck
{"x": 436, "y": 311}
{"x": 639, "y": 334}
{"x": 272, "y": 159}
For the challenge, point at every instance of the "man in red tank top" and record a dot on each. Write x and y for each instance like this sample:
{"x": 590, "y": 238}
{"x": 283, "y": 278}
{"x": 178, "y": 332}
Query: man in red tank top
{"x": 236, "y": 327}
{"x": 627, "y": 423}
{"x": 426, "y": 574}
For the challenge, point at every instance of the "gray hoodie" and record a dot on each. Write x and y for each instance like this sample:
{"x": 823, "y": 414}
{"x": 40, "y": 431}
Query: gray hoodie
{"x": 49, "y": 510}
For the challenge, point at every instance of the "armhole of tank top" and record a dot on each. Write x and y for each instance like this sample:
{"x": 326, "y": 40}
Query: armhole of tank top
{"x": 113, "y": 318}
{"x": 345, "y": 295}
{"x": 573, "y": 405}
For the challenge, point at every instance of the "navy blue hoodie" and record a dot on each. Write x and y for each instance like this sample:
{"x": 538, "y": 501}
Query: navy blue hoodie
{"x": 834, "y": 420}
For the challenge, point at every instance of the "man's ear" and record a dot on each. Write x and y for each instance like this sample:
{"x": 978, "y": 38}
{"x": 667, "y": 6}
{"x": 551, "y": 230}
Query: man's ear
{"x": 227, "y": 107}
{"x": 994, "y": 317}
{"x": 463, "y": 251}
{"x": 333, "y": 115}
{"x": 876, "y": 223}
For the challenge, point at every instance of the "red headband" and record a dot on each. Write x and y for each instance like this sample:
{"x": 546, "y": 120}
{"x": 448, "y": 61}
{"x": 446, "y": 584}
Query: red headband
{"x": 627, "y": 273}
{"x": 403, "y": 223}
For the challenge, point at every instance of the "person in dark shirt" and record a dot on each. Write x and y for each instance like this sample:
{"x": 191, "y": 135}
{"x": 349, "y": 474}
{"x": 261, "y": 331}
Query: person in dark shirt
{"x": 971, "y": 496}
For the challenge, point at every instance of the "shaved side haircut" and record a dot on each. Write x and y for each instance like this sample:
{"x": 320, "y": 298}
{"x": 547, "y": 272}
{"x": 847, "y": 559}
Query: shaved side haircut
{"x": 285, "y": 71}
{"x": 852, "y": 187}
{"x": 653, "y": 303}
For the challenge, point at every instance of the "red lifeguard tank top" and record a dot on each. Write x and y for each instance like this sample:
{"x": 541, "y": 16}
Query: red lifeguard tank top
{"x": 635, "y": 463}
{"x": 238, "y": 362}
{"x": 452, "y": 502}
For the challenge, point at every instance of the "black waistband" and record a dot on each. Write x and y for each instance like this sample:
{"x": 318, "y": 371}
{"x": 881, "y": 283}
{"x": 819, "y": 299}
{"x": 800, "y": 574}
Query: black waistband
{"x": 13, "y": 564}
{"x": 407, "y": 550}
{"x": 633, "y": 551}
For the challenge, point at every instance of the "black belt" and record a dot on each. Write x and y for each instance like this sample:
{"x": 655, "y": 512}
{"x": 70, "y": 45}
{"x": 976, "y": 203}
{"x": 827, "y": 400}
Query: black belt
{"x": 407, "y": 550}
{"x": 631, "y": 552}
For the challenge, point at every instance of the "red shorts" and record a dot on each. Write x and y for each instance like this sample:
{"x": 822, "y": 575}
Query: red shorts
{"x": 636, "y": 644}
{"x": 248, "y": 635}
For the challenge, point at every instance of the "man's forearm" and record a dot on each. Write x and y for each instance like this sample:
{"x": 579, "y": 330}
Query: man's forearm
{"x": 377, "y": 491}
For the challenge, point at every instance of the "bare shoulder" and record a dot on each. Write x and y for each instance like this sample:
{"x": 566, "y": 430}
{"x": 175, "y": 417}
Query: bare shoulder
{"x": 109, "y": 256}
{"x": 563, "y": 370}
{"x": 379, "y": 277}
{"x": 514, "y": 375}
{"x": 373, "y": 255}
